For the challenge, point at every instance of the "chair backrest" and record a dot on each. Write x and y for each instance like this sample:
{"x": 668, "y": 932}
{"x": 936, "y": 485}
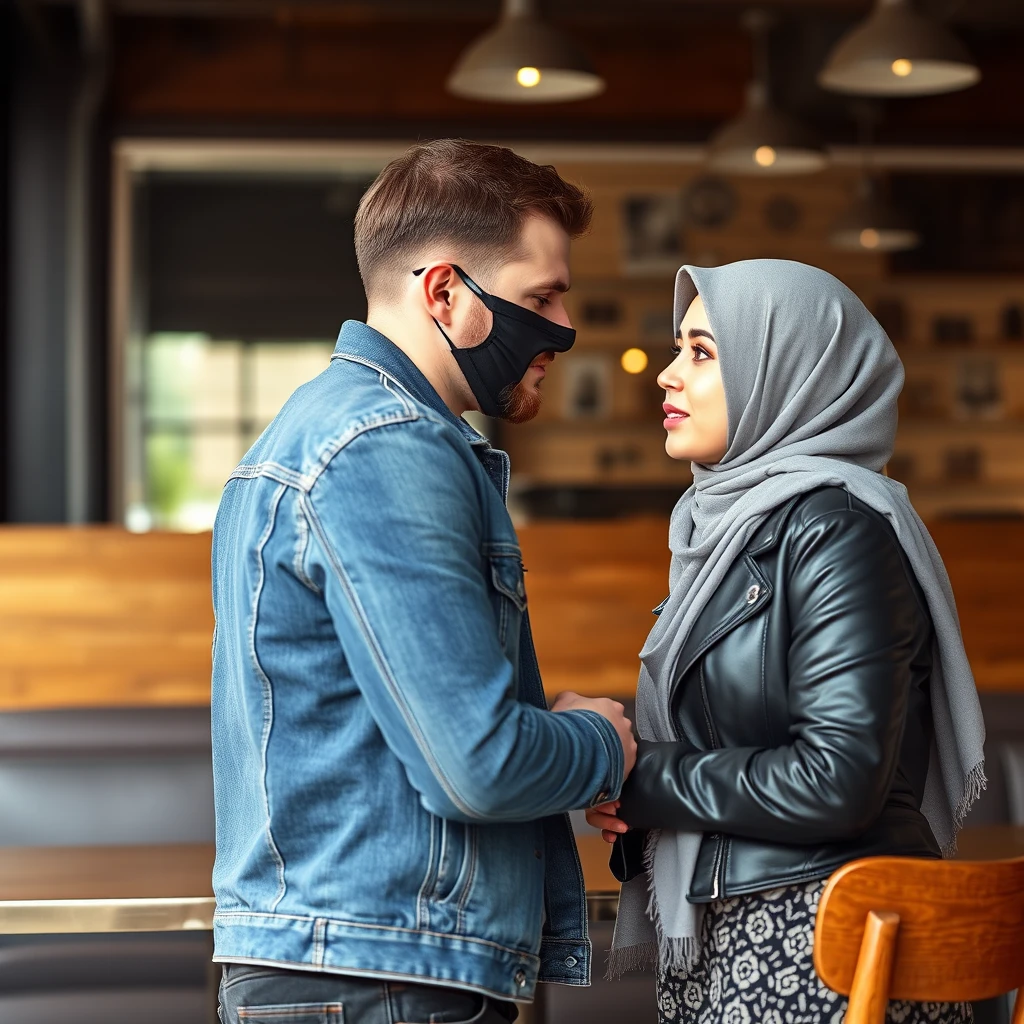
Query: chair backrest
{"x": 923, "y": 930}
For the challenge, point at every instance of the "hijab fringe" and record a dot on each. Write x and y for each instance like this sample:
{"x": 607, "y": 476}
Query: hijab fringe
{"x": 974, "y": 785}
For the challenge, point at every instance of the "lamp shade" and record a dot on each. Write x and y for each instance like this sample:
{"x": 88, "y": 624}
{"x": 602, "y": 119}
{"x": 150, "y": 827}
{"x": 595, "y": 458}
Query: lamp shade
{"x": 872, "y": 225}
{"x": 523, "y": 60}
{"x": 898, "y": 52}
{"x": 765, "y": 140}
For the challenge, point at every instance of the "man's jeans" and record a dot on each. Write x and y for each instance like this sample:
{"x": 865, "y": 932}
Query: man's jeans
{"x": 268, "y": 995}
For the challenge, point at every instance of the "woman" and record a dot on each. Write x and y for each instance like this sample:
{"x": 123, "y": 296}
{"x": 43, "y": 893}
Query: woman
{"x": 805, "y": 698}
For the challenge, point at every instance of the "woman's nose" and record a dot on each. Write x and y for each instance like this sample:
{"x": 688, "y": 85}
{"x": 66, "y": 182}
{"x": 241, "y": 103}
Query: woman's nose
{"x": 669, "y": 381}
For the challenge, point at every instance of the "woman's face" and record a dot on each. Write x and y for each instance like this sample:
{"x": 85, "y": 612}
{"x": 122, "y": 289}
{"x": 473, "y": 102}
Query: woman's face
{"x": 696, "y": 417}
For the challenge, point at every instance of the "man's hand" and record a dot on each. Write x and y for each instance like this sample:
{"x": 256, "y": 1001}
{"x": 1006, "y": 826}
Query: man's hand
{"x": 606, "y": 708}
{"x": 604, "y": 817}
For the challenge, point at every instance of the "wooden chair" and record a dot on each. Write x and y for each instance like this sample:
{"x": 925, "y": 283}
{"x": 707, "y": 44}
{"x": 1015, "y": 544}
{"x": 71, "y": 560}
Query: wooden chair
{"x": 922, "y": 930}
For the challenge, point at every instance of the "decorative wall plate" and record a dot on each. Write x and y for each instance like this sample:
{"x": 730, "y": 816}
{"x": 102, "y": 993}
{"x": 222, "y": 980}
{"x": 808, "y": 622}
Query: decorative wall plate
{"x": 709, "y": 202}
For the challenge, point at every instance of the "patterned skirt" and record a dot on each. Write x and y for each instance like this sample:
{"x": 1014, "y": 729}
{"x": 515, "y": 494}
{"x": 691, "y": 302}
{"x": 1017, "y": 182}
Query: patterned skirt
{"x": 756, "y": 965}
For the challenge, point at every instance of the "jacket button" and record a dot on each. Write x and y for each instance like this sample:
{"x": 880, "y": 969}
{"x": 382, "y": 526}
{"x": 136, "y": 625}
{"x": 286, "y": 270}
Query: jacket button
{"x": 753, "y": 594}
{"x": 520, "y": 978}
{"x": 571, "y": 961}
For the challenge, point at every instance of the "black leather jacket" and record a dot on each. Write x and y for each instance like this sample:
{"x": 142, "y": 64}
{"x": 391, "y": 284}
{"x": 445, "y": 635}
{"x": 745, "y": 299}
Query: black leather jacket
{"x": 801, "y": 709}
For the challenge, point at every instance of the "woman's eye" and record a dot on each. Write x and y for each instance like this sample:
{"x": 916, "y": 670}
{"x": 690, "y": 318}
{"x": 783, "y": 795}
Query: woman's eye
{"x": 675, "y": 350}
{"x": 700, "y": 353}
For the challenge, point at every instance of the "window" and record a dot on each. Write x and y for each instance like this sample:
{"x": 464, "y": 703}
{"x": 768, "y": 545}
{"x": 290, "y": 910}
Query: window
{"x": 237, "y": 286}
{"x": 202, "y": 403}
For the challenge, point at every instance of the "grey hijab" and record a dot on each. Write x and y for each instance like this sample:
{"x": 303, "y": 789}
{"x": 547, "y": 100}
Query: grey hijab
{"x": 811, "y": 382}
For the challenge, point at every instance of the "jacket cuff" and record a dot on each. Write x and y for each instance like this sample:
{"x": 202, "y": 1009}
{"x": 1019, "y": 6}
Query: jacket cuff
{"x": 627, "y": 859}
{"x": 650, "y": 797}
{"x": 611, "y": 786}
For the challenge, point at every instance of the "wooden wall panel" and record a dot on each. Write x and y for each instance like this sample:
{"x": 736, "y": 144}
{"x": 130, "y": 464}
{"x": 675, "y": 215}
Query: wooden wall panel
{"x": 99, "y": 617}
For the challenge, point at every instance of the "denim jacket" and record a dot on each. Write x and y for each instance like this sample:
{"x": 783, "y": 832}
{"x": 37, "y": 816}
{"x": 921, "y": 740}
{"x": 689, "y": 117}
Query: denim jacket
{"x": 390, "y": 787}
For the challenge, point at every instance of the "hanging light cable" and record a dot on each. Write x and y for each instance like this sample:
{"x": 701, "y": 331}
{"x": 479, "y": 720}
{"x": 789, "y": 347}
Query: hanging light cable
{"x": 898, "y": 52}
{"x": 871, "y": 223}
{"x": 524, "y": 60}
{"x": 764, "y": 139}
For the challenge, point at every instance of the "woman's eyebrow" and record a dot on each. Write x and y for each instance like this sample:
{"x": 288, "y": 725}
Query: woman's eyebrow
{"x": 696, "y": 332}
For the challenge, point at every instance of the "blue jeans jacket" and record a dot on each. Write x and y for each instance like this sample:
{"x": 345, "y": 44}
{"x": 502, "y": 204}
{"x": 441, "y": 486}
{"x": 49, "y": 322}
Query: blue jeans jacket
{"x": 390, "y": 788}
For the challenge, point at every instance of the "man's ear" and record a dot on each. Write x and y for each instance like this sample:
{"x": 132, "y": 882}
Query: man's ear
{"x": 436, "y": 284}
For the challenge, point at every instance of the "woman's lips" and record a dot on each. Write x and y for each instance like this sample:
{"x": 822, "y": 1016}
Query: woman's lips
{"x": 673, "y": 416}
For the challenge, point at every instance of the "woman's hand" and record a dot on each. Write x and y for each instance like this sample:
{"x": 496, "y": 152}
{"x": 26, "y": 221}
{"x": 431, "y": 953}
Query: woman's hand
{"x": 603, "y": 816}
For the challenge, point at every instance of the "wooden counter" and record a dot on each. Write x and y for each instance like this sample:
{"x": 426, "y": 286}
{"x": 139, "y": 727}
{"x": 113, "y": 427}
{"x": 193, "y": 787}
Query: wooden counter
{"x": 167, "y": 888}
{"x": 99, "y": 617}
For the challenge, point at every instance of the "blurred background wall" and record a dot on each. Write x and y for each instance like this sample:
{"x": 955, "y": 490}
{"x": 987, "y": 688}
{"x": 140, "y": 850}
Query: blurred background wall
{"x": 179, "y": 178}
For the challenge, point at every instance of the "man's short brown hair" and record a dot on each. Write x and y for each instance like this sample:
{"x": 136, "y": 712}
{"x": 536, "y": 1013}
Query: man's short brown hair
{"x": 472, "y": 196}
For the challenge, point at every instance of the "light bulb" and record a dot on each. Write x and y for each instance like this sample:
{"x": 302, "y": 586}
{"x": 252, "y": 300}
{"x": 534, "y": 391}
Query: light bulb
{"x": 902, "y": 67}
{"x": 870, "y": 238}
{"x": 634, "y": 360}
{"x": 765, "y": 156}
{"x": 528, "y": 77}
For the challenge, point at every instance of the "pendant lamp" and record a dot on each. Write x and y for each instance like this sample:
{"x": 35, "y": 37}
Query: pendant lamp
{"x": 763, "y": 139}
{"x": 898, "y": 52}
{"x": 523, "y": 60}
{"x": 871, "y": 224}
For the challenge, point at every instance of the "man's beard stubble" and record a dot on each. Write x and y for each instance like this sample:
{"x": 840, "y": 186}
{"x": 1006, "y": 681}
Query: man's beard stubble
{"x": 521, "y": 403}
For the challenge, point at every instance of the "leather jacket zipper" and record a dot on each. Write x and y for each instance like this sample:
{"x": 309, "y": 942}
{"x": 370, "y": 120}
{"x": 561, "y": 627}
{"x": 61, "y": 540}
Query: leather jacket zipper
{"x": 719, "y": 852}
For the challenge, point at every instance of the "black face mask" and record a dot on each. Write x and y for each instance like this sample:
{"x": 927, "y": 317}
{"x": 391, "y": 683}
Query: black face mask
{"x": 517, "y": 336}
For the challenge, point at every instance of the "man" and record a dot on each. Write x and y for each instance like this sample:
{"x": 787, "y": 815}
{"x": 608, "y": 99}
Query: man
{"x": 390, "y": 786}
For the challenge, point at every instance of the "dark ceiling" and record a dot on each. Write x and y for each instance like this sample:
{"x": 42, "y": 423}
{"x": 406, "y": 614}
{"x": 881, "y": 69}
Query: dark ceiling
{"x": 969, "y": 12}
{"x": 675, "y": 69}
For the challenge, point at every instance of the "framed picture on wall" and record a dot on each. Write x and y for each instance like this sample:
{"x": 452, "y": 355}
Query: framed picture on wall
{"x": 587, "y": 387}
{"x": 652, "y": 234}
{"x": 979, "y": 390}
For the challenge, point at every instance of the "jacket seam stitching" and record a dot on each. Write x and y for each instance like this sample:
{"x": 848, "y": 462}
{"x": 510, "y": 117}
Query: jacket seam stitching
{"x": 386, "y": 382}
{"x": 339, "y": 444}
{"x": 335, "y": 922}
{"x": 271, "y": 470}
{"x": 422, "y": 911}
{"x": 472, "y": 841}
{"x": 268, "y": 694}
{"x": 382, "y": 664}
{"x": 362, "y": 361}
{"x": 301, "y": 550}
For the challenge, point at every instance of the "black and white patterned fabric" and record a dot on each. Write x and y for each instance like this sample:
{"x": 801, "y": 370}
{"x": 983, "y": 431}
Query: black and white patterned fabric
{"x": 757, "y": 967}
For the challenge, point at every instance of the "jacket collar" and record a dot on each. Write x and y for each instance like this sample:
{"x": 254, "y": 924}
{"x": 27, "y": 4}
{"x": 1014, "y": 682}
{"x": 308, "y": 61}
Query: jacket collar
{"x": 768, "y": 534}
{"x": 358, "y": 343}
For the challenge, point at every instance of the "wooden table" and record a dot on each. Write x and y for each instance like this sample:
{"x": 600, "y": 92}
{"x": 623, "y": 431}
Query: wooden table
{"x": 63, "y": 890}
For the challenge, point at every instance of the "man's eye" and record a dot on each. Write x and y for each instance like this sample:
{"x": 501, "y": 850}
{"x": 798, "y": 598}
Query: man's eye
{"x": 542, "y": 300}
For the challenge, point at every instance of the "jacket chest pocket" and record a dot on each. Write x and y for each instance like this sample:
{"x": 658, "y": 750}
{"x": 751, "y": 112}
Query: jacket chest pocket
{"x": 508, "y": 596}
